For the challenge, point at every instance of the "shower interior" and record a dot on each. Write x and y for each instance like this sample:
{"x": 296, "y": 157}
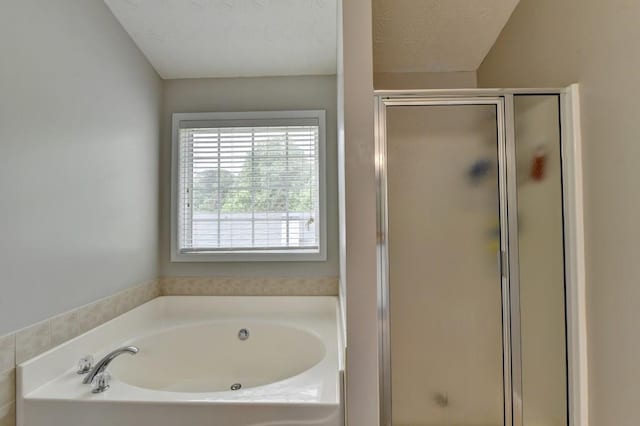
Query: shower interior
{"x": 478, "y": 257}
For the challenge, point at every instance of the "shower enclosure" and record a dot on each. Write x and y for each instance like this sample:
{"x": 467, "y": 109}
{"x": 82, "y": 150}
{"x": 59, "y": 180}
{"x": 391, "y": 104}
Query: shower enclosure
{"x": 479, "y": 257}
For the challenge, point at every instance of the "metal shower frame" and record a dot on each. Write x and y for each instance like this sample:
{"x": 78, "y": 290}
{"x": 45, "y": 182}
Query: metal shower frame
{"x": 503, "y": 100}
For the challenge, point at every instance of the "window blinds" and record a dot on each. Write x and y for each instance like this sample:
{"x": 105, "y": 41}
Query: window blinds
{"x": 252, "y": 189}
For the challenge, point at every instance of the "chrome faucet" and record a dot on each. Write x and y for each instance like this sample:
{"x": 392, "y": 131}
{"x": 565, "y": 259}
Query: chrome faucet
{"x": 104, "y": 362}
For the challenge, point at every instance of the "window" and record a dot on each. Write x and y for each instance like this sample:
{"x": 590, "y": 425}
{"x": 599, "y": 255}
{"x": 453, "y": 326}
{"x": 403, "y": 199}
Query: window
{"x": 248, "y": 186}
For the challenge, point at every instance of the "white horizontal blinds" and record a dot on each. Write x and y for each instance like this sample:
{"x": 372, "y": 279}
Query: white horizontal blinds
{"x": 249, "y": 188}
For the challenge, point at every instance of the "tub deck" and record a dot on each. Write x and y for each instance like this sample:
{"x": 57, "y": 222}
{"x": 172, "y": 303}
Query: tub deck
{"x": 51, "y": 393}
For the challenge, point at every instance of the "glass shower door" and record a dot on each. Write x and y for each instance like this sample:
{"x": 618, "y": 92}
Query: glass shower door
{"x": 445, "y": 285}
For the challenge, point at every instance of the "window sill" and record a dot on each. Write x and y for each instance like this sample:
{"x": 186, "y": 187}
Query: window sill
{"x": 236, "y": 256}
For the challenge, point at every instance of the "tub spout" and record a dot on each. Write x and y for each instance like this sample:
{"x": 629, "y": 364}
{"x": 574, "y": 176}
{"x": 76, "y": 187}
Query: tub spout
{"x": 104, "y": 362}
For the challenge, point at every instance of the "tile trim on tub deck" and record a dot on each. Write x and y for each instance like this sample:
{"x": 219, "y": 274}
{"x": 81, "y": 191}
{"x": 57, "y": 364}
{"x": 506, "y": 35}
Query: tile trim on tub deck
{"x": 8, "y": 414}
{"x": 249, "y": 286}
{"x": 38, "y": 338}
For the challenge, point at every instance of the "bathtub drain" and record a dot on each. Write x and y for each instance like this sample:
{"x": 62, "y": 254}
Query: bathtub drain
{"x": 236, "y": 386}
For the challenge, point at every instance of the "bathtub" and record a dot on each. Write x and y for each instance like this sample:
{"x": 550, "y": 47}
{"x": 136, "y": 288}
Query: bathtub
{"x": 202, "y": 361}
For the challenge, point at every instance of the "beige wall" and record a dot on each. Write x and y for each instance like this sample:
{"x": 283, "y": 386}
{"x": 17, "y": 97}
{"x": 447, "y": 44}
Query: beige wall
{"x": 358, "y": 250}
{"x": 342, "y": 240}
{"x": 250, "y": 94}
{"x": 424, "y": 80}
{"x": 594, "y": 42}
{"x": 79, "y": 128}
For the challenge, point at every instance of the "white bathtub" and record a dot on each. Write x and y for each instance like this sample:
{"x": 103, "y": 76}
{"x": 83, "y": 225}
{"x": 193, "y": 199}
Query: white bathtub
{"x": 289, "y": 368}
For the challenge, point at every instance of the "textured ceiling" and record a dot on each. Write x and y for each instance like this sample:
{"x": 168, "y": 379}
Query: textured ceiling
{"x": 232, "y": 38}
{"x": 436, "y": 35}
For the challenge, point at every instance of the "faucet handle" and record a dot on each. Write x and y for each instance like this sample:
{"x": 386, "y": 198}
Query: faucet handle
{"x": 85, "y": 364}
{"x": 100, "y": 383}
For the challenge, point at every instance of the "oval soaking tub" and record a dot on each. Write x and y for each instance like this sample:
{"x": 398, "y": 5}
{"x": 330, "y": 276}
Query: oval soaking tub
{"x": 214, "y": 357}
{"x": 202, "y": 361}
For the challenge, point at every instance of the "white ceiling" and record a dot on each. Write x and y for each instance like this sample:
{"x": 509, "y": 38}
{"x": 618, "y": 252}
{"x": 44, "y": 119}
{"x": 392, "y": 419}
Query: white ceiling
{"x": 249, "y": 38}
{"x": 232, "y": 38}
{"x": 436, "y": 35}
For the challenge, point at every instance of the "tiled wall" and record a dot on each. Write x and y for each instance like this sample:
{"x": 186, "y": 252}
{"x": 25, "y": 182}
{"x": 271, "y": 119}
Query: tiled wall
{"x": 31, "y": 341}
{"x": 38, "y": 338}
{"x": 239, "y": 286}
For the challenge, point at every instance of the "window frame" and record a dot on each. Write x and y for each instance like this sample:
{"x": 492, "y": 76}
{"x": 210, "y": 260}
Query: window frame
{"x": 250, "y": 119}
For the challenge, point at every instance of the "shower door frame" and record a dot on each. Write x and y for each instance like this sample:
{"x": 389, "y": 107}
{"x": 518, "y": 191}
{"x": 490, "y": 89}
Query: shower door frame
{"x": 503, "y": 100}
